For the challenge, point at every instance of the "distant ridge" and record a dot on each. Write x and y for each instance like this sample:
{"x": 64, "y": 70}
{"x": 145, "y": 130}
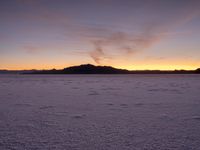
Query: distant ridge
{"x": 85, "y": 69}
{"x": 91, "y": 69}
{"x": 198, "y": 70}
{"x": 16, "y": 71}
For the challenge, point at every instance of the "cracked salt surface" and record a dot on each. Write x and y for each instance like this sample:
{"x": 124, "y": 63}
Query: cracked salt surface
{"x": 99, "y": 112}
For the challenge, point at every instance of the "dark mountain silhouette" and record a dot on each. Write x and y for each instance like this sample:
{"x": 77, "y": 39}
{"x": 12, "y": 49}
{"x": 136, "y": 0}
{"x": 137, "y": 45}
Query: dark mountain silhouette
{"x": 91, "y": 69}
{"x": 198, "y": 70}
{"x": 85, "y": 69}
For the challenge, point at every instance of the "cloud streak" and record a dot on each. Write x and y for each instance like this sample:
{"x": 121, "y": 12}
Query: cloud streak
{"x": 130, "y": 44}
{"x": 123, "y": 43}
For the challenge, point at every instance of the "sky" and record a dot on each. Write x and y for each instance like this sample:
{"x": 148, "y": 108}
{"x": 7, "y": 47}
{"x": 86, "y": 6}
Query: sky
{"x": 130, "y": 34}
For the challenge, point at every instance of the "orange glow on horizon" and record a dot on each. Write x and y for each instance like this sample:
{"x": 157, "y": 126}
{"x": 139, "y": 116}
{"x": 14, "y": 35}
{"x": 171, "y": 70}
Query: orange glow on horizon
{"x": 128, "y": 67}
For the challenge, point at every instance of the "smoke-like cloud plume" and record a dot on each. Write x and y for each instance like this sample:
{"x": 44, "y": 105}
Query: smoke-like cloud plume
{"x": 124, "y": 43}
{"x": 98, "y": 54}
{"x": 129, "y": 44}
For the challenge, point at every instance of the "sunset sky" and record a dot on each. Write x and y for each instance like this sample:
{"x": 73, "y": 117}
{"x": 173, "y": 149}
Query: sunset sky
{"x": 131, "y": 34}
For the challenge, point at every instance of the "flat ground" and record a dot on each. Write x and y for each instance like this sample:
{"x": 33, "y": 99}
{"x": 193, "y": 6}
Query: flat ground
{"x": 100, "y": 112}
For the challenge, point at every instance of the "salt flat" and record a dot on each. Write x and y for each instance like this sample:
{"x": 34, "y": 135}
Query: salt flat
{"x": 99, "y": 112}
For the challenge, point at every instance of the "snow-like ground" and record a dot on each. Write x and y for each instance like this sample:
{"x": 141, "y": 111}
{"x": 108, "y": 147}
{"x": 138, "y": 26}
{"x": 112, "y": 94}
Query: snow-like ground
{"x": 100, "y": 112}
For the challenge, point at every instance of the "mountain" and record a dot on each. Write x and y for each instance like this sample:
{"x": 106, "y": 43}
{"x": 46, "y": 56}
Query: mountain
{"x": 85, "y": 69}
{"x": 198, "y": 70}
{"x": 91, "y": 69}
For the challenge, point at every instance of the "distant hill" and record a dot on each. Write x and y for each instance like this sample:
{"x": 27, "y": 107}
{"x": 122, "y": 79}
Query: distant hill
{"x": 198, "y": 70}
{"x": 91, "y": 69}
{"x": 85, "y": 69}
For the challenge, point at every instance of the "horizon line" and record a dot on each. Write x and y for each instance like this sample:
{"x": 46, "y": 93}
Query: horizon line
{"x": 101, "y": 66}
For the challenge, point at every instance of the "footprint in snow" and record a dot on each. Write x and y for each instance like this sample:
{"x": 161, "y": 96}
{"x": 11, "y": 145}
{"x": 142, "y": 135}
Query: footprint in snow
{"x": 109, "y": 104}
{"x": 139, "y": 104}
{"x": 46, "y": 107}
{"x": 124, "y": 105}
{"x": 196, "y": 118}
{"x": 93, "y": 93}
{"x": 78, "y": 116}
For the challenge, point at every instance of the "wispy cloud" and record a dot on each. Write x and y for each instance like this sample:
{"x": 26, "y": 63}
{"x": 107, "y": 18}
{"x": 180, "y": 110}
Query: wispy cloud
{"x": 151, "y": 34}
{"x": 125, "y": 44}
